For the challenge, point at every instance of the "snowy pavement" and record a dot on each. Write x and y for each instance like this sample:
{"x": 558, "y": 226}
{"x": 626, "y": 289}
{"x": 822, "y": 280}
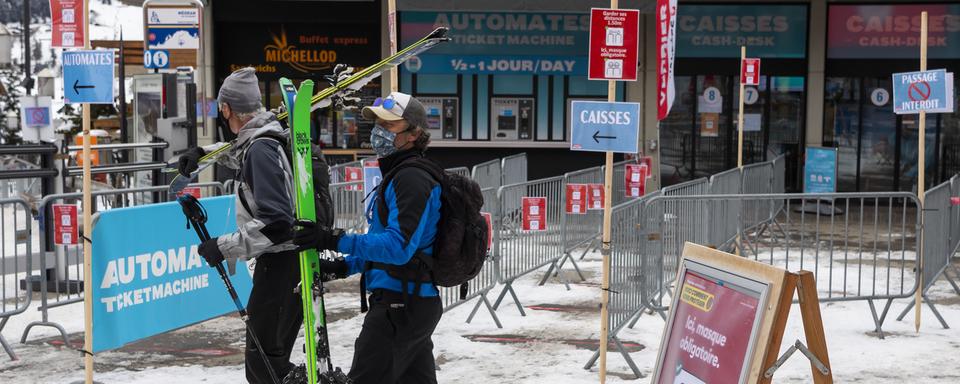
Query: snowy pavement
{"x": 550, "y": 345}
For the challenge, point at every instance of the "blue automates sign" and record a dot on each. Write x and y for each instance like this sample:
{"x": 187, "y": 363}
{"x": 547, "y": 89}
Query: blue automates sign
{"x": 500, "y": 42}
{"x": 601, "y": 126}
{"x": 928, "y": 91}
{"x": 88, "y": 76}
{"x": 820, "y": 170}
{"x": 717, "y": 30}
{"x": 148, "y": 277}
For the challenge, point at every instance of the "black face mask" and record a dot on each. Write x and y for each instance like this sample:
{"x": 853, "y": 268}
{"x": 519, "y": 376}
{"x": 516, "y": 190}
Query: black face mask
{"x": 223, "y": 128}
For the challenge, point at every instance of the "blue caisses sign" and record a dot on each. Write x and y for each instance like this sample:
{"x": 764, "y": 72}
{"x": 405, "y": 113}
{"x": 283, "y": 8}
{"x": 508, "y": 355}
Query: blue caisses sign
{"x": 927, "y": 91}
{"x": 88, "y": 76}
{"x": 600, "y": 126}
{"x": 820, "y": 170}
{"x": 148, "y": 277}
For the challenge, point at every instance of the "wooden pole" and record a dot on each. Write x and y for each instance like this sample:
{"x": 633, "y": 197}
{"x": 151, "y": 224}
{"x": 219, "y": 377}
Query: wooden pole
{"x": 87, "y": 223}
{"x": 921, "y": 168}
{"x": 392, "y": 31}
{"x": 605, "y": 249}
{"x": 743, "y": 57}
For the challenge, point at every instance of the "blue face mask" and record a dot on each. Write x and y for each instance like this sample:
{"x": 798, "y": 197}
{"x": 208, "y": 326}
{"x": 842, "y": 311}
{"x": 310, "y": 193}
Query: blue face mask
{"x": 382, "y": 141}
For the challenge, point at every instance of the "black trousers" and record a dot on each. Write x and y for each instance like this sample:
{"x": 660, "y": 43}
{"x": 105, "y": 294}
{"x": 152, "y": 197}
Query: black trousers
{"x": 394, "y": 346}
{"x": 276, "y": 314}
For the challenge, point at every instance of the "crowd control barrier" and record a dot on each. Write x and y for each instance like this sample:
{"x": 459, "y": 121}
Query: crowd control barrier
{"x": 527, "y": 241}
{"x": 941, "y": 234}
{"x": 16, "y": 240}
{"x": 61, "y": 266}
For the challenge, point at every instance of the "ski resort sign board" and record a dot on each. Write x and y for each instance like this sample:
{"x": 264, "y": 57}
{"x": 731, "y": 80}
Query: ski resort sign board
{"x": 172, "y": 27}
{"x": 159, "y": 282}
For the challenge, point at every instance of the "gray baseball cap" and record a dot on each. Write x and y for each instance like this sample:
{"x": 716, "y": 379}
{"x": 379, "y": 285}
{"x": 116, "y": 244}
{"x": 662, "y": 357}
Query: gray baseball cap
{"x": 398, "y": 106}
{"x": 241, "y": 91}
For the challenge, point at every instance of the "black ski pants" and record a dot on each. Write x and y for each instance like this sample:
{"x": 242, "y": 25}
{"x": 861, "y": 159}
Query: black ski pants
{"x": 394, "y": 346}
{"x": 276, "y": 314}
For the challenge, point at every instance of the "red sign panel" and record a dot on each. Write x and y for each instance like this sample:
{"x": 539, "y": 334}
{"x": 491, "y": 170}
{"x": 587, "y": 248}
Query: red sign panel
{"x": 193, "y": 191}
{"x": 636, "y": 179}
{"x": 353, "y": 174}
{"x": 710, "y": 334}
{"x": 614, "y": 44}
{"x": 595, "y": 196}
{"x": 750, "y": 71}
{"x": 534, "y": 214}
{"x": 576, "y": 199}
{"x": 489, "y": 220}
{"x": 371, "y": 163}
{"x": 65, "y": 224}
{"x": 648, "y": 160}
{"x": 68, "y": 27}
{"x": 666, "y": 27}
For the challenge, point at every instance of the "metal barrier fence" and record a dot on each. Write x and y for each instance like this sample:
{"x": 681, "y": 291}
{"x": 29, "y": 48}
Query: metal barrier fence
{"x": 338, "y": 173}
{"x": 488, "y": 174}
{"x": 860, "y": 248}
{"x": 483, "y": 283}
{"x": 519, "y": 252}
{"x": 619, "y": 187}
{"x": 349, "y": 206}
{"x": 61, "y": 266}
{"x": 940, "y": 236}
{"x": 514, "y": 169}
{"x": 462, "y": 171}
{"x": 16, "y": 242}
{"x": 626, "y": 269}
{"x": 582, "y": 230}
{"x": 722, "y": 218}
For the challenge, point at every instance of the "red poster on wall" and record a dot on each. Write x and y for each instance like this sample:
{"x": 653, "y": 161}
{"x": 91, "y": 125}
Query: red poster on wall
{"x": 489, "y": 220}
{"x": 576, "y": 199}
{"x": 710, "y": 334}
{"x": 65, "y": 224}
{"x": 595, "y": 196}
{"x": 67, "y": 20}
{"x": 353, "y": 174}
{"x": 534, "y": 213}
{"x": 648, "y": 160}
{"x": 636, "y": 179}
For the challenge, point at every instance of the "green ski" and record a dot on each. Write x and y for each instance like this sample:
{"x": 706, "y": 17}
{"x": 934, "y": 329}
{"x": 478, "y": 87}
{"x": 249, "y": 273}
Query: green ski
{"x": 339, "y": 88}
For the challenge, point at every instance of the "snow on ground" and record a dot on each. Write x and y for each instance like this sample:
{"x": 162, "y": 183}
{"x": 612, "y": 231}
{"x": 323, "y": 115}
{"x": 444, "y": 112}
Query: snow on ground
{"x": 550, "y": 348}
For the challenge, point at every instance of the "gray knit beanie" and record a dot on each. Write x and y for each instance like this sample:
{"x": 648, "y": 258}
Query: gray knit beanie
{"x": 241, "y": 91}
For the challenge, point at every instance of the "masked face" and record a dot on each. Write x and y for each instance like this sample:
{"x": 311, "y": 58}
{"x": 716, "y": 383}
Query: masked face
{"x": 382, "y": 141}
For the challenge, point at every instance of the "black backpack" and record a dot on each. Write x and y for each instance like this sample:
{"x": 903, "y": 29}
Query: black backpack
{"x": 460, "y": 246}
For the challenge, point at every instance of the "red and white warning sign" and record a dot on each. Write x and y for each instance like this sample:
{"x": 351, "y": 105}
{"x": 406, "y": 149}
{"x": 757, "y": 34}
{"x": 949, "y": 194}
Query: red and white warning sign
{"x": 576, "y": 199}
{"x": 353, "y": 174}
{"x": 750, "y": 71}
{"x": 489, "y": 220}
{"x": 534, "y": 213}
{"x": 371, "y": 163}
{"x": 595, "y": 195}
{"x": 193, "y": 191}
{"x": 65, "y": 226}
{"x": 614, "y": 44}
{"x": 636, "y": 179}
{"x": 67, "y": 20}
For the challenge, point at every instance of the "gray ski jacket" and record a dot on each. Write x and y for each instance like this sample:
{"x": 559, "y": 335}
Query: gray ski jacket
{"x": 265, "y": 210}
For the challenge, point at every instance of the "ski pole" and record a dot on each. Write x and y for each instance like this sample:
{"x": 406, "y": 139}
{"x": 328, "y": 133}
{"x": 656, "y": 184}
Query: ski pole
{"x": 197, "y": 216}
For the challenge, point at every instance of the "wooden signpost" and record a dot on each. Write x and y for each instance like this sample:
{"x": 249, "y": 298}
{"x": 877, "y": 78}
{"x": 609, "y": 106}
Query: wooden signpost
{"x": 727, "y": 321}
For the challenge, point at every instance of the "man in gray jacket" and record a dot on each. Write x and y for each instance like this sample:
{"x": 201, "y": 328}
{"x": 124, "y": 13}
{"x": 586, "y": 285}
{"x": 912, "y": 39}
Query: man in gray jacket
{"x": 264, "y": 216}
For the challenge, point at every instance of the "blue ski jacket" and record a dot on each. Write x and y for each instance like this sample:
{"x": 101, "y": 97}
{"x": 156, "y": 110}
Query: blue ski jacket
{"x": 412, "y": 199}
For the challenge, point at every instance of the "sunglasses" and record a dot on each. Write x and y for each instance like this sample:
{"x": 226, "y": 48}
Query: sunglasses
{"x": 387, "y": 103}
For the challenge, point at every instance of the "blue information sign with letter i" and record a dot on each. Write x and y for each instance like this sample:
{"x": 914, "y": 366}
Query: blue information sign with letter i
{"x": 88, "y": 76}
{"x": 601, "y": 126}
{"x": 156, "y": 59}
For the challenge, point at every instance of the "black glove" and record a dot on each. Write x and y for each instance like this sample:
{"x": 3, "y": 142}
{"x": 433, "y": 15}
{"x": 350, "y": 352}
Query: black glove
{"x": 310, "y": 235}
{"x": 190, "y": 161}
{"x": 210, "y": 252}
{"x": 333, "y": 269}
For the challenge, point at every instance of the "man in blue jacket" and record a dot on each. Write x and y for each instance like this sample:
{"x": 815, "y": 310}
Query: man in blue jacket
{"x": 395, "y": 343}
